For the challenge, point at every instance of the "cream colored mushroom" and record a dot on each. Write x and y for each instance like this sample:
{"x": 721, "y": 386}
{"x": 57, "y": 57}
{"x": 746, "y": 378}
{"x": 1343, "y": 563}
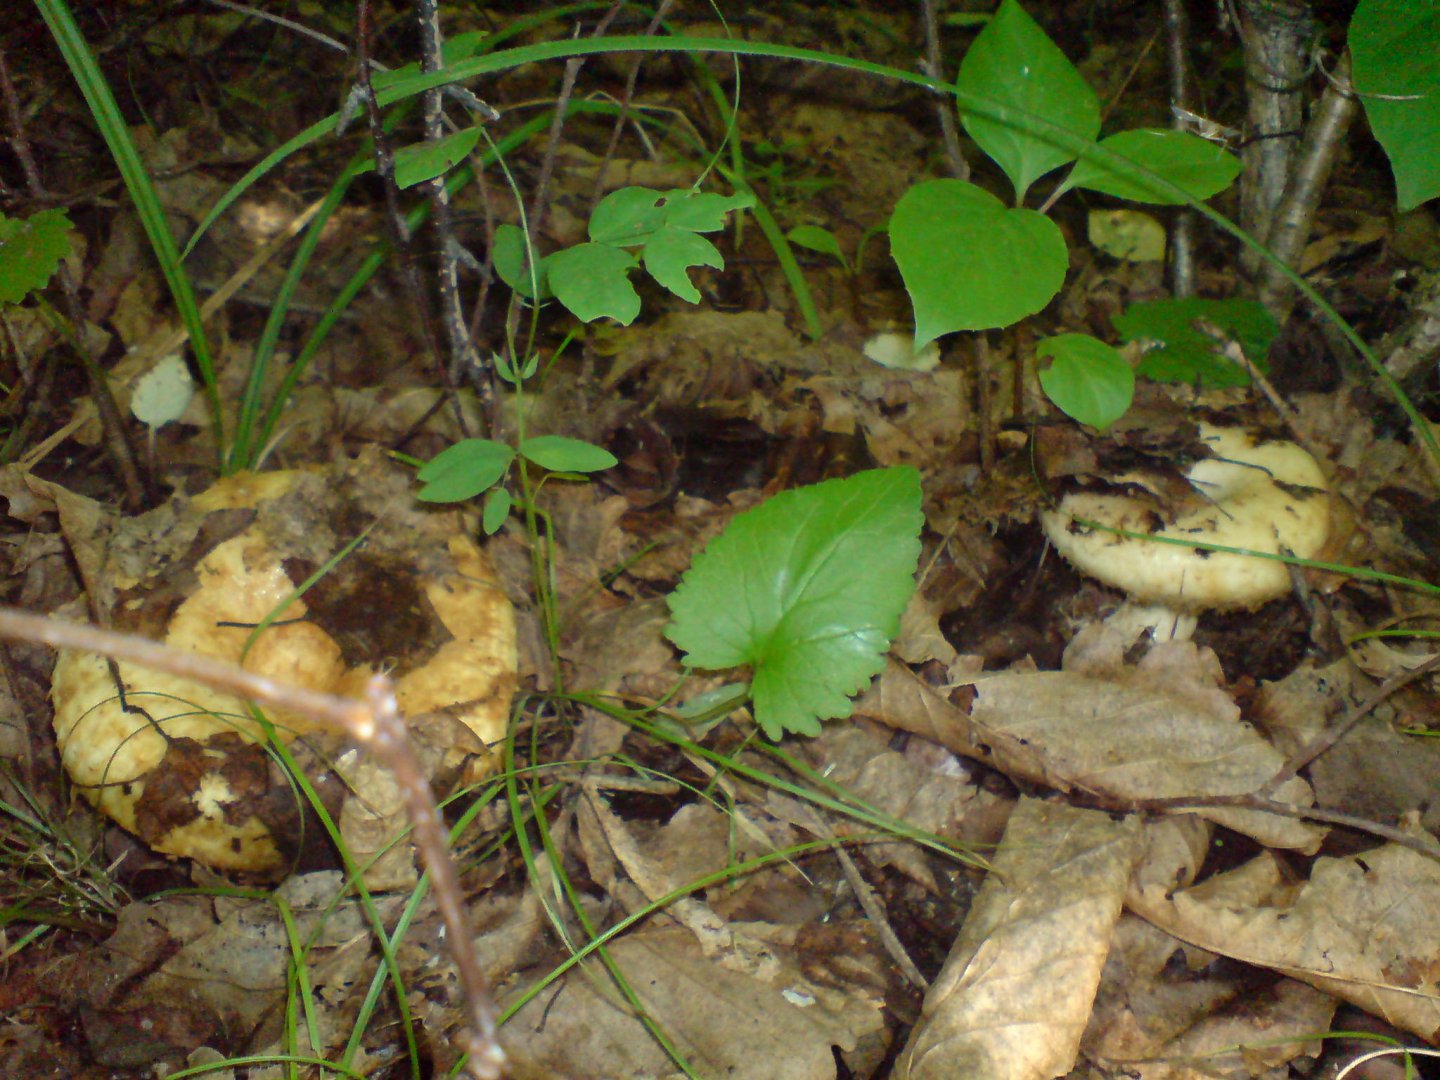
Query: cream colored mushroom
{"x": 184, "y": 767}
{"x": 1263, "y": 496}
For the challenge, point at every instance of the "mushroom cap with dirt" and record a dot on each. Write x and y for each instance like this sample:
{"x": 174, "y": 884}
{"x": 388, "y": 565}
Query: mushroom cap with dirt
{"x": 1260, "y": 495}
{"x": 190, "y": 770}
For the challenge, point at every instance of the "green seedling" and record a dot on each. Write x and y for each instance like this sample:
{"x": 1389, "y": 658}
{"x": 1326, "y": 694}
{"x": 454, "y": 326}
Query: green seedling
{"x": 807, "y": 589}
{"x": 30, "y": 252}
{"x": 475, "y": 466}
{"x": 592, "y": 280}
{"x": 970, "y": 262}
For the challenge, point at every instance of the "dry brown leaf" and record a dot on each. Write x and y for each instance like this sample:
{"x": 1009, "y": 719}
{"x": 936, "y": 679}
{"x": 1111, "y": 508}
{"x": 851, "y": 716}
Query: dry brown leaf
{"x": 1153, "y": 733}
{"x": 857, "y": 758}
{"x": 1167, "y": 1011}
{"x": 725, "y": 1023}
{"x": 1362, "y": 928}
{"x": 1012, "y": 1000}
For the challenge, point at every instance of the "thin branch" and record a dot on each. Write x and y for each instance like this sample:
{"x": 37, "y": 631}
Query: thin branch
{"x": 1182, "y": 234}
{"x": 944, "y": 104}
{"x": 462, "y": 351}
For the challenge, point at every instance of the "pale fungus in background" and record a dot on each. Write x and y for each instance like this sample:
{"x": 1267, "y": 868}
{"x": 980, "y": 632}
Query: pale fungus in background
{"x": 1266, "y": 496}
{"x": 893, "y": 349}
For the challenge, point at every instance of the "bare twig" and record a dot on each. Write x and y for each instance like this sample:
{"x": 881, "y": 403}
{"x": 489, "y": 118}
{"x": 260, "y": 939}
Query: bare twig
{"x": 399, "y": 230}
{"x": 1425, "y": 845}
{"x": 1182, "y": 233}
{"x": 466, "y": 99}
{"x": 1337, "y": 731}
{"x": 462, "y": 351}
{"x": 632, "y": 77}
{"x": 376, "y": 723}
{"x": 540, "y": 198}
{"x": 1276, "y": 36}
{"x": 1295, "y": 215}
{"x": 944, "y": 103}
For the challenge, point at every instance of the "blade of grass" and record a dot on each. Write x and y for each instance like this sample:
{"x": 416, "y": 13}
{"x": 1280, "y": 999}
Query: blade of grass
{"x": 116, "y": 134}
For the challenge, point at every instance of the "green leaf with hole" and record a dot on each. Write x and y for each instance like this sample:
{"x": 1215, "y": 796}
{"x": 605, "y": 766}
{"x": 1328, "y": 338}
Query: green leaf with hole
{"x": 1014, "y": 63}
{"x": 1087, "y": 380}
{"x": 971, "y": 263}
{"x": 464, "y": 470}
{"x": 561, "y": 454}
{"x": 1198, "y": 167}
{"x": 807, "y": 589}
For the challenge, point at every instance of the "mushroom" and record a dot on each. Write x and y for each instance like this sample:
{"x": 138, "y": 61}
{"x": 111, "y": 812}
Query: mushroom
{"x": 1266, "y": 496}
{"x": 186, "y": 768}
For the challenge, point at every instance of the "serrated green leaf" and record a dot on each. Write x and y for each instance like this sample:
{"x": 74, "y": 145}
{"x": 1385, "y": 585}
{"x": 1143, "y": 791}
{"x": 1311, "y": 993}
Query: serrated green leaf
{"x": 969, "y": 262}
{"x": 464, "y": 470}
{"x": 30, "y": 252}
{"x": 670, "y": 254}
{"x": 561, "y": 454}
{"x": 808, "y": 589}
{"x": 1201, "y": 168}
{"x": 423, "y": 161}
{"x": 1014, "y": 63}
{"x": 592, "y": 281}
{"x": 1087, "y": 380}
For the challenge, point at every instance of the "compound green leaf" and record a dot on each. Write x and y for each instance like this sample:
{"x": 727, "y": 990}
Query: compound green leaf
{"x": 628, "y": 216}
{"x": 464, "y": 470}
{"x": 807, "y": 589}
{"x": 593, "y": 282}
{"x": 670, "y": 254}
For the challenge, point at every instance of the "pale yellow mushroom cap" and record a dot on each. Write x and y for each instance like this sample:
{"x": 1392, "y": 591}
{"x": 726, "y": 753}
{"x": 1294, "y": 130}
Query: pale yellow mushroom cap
{"x": 1261, "y": 496}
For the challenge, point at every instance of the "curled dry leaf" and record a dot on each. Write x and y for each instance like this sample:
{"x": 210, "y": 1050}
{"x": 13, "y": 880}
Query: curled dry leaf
{"x": 1362, "y": 928}
{"x": 1012, "y": 1000}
